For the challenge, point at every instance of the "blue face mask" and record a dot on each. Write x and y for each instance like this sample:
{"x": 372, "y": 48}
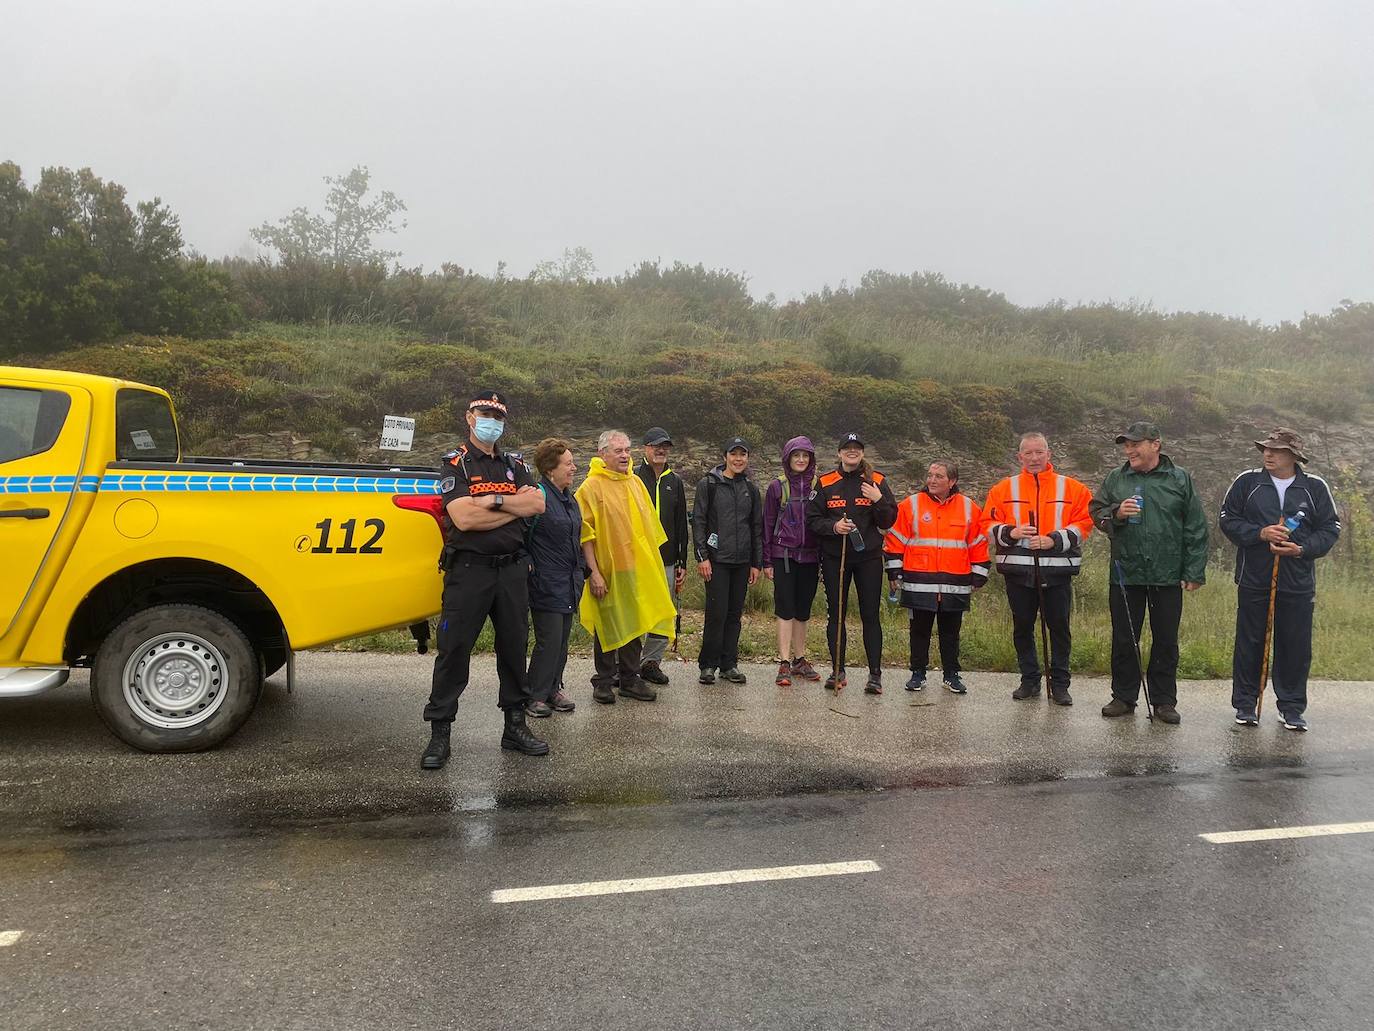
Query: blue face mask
{"x": 488, "y": 430}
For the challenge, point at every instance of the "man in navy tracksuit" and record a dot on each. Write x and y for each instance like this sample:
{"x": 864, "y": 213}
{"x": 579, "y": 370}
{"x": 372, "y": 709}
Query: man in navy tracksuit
{"x": 1253, "y": 516}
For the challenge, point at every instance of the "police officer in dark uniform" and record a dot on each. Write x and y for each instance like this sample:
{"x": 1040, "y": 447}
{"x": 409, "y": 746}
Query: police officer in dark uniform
{"x": 488, "y": 494}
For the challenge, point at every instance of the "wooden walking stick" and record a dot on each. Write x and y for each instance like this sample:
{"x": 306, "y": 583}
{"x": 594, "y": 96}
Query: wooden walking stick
{"x": 840, "y": 634}
{"x": 1268, "y": 636}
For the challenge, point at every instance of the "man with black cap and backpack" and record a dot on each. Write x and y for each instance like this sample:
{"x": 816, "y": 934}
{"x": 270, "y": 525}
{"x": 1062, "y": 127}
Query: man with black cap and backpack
{"x": 850, "y": 512}
{"x": 670, "y": 502}
{"x": 727, "y": 534}
{"x": 488, "y": 494}
{"x": 1281, "y": 520}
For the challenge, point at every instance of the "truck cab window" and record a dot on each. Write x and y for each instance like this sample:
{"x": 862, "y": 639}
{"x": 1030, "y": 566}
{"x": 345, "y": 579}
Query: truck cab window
{"x": 30, "y": 421}
{"x": 144, "y": 428}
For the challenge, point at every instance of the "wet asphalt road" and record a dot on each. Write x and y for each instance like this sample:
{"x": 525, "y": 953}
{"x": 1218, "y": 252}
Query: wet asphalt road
{"x": 1039, "y": 867}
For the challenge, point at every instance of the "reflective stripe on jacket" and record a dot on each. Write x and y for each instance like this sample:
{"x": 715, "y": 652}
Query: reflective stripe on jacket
{"x": 1057, "y": 506}
{"x": 937, "y": 550}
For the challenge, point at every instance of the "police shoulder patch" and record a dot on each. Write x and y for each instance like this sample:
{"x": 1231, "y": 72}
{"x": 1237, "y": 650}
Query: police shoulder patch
{"x": 812, "y": 495}
{"x": 447, "y": 484}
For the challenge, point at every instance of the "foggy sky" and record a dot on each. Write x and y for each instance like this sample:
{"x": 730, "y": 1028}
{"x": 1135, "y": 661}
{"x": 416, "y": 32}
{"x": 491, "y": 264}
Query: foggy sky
{"x": 1193, "y": 155}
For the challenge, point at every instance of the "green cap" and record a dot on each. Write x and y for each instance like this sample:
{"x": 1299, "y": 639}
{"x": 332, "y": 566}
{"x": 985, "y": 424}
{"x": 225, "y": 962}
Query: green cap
{"x": 1138, "y": 431}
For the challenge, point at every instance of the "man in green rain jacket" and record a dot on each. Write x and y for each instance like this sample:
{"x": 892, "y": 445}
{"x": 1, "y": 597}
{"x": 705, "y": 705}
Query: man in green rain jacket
{"x": 1154, "y": 518}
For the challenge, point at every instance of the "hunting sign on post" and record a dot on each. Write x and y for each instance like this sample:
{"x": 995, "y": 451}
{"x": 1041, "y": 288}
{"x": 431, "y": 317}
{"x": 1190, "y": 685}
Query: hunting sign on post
{"x": 398, "y": 433}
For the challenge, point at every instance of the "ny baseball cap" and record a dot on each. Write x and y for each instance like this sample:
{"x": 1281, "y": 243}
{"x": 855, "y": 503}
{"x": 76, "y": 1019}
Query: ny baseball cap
{"x": 850, "y": 440}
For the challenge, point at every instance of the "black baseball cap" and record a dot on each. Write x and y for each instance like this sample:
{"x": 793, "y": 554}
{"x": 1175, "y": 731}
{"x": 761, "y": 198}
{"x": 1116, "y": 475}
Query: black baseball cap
{"x": 657, "y": 435}
{"x": 491, "y": 400}
{"x": 735, "y": 444}
{"x": 1138, "y": 431}
{"x": 850, "y": 440}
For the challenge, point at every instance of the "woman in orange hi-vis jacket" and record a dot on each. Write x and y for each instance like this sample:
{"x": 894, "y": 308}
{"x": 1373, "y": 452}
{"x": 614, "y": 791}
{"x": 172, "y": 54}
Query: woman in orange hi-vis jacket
{"x": 1038, "y": 520}
{"x": 937, "y": 555}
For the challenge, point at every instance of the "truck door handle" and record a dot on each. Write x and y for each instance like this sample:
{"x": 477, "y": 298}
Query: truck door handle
{"x": 24, "y": 513}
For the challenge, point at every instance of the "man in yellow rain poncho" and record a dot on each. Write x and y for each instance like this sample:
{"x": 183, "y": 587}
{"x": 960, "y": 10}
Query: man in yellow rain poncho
{"x": 626, "y": 596}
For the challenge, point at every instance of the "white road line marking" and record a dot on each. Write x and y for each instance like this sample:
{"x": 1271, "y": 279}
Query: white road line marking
{"x": 1317, "y": 830}
{"x": 686, "y": 880}
{"x": 10, "y": 938}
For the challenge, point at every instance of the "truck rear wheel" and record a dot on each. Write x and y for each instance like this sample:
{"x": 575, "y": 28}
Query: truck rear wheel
{"x": 176, "y": 678}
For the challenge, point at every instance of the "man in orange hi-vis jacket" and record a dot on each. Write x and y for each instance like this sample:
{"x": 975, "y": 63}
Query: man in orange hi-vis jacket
{"x": 1038, "y": 521}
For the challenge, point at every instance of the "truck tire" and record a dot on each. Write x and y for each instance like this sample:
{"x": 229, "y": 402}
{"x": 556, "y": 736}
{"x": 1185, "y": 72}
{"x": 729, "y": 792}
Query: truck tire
{"x": 176, "y": 678}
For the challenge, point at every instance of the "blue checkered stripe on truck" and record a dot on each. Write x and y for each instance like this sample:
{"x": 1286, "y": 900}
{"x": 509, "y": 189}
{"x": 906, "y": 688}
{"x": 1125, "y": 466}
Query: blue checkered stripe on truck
{"x": 206, "y": 483}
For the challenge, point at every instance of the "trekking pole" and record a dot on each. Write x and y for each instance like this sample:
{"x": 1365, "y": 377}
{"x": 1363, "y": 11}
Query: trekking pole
{"x": 840, "y": 634}
{"x": 1268, "y": 635}
{"x": 1044, "y": 628}
{"x": 1135, "y": 638}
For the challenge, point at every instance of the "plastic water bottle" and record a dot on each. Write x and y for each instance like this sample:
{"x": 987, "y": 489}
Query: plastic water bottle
{"x": 894, "y": 595}
{"x": 1292, "y": 522}
{"x": 1139, "y": 499}
{"x": 856, "y": 539}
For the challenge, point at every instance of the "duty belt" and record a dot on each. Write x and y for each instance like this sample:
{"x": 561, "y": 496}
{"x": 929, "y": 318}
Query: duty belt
{"x": 473, "y": 558}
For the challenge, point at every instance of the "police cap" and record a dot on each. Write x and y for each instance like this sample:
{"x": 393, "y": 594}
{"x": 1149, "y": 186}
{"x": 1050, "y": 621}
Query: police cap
{"x": 489, "y": 400}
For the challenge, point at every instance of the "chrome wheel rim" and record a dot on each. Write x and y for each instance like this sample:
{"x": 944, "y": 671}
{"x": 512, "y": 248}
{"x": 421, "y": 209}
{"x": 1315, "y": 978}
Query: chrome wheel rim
{"x": 175, "y": 681}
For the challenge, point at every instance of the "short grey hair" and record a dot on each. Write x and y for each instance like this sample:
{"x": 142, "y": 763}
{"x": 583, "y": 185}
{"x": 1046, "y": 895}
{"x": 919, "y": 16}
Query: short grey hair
{"x": 1032, "y": 435}
{"x": 604, "y": 441}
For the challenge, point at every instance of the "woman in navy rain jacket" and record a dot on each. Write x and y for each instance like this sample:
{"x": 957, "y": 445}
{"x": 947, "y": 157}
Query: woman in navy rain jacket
{"x": 556, "y": 576}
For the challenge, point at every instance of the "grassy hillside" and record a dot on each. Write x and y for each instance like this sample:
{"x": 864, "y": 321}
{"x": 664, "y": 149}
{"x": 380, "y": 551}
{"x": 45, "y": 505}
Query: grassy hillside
{"x": 920, "y": 366}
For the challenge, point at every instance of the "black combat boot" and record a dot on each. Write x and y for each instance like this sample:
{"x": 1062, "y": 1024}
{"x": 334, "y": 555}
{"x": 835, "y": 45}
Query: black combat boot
{"x": 518, "y": 737}
{"x": 436, "y": 752}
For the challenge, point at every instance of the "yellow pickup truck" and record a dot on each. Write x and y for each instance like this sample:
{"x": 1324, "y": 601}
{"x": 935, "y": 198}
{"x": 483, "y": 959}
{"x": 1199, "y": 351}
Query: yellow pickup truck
{"x": 184, "y": 582}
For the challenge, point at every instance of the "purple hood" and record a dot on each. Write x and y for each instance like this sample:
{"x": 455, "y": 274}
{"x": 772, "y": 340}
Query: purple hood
{"x": 785, "y": 533}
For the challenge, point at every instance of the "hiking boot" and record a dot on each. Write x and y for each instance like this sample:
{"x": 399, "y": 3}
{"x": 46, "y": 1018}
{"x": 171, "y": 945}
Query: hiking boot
{"x": 1168, "y": 714}
{"x": 733, "y": 675}
{"x": 956, "y": 684}
{"x": 874, "y": 684}
{"x": 436, "y": 752}
{"x": 1061, "y": 696}
{"x": 517, "y": 737}
{"x": 708, "y": 676}
{"x": 1247, "y": 717}
{"x": 1116, "y": 707}
{"x": 653, "y": 673}
{"x": 836, "y": 681}
{"x": 538, "y": 708}
{"x": 638, "y": 690}
{"x": 917, "y": 681}
{"x": 1028, "y": 689}
{"x": 802, "y": 668}
{"x": 560, "y": 702}
{"x": 603, "y": 693}
{"x": 1294, "y": 723}
{"x": 784, "y": 678}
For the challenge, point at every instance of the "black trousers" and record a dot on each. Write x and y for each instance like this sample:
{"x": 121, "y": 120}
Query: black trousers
{"x": 1165, "y": 608}
{"x": 867, "y": 577}
{"x": 949, "y": 623}
{"x": 1292, "y": 648}
{"x": 473, "y": 593}
{"x": 619, "y": 666}
{"x": 1025, "y": 605}
{"x": 550, "y": 653}
{"x": 725, "y": 593}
